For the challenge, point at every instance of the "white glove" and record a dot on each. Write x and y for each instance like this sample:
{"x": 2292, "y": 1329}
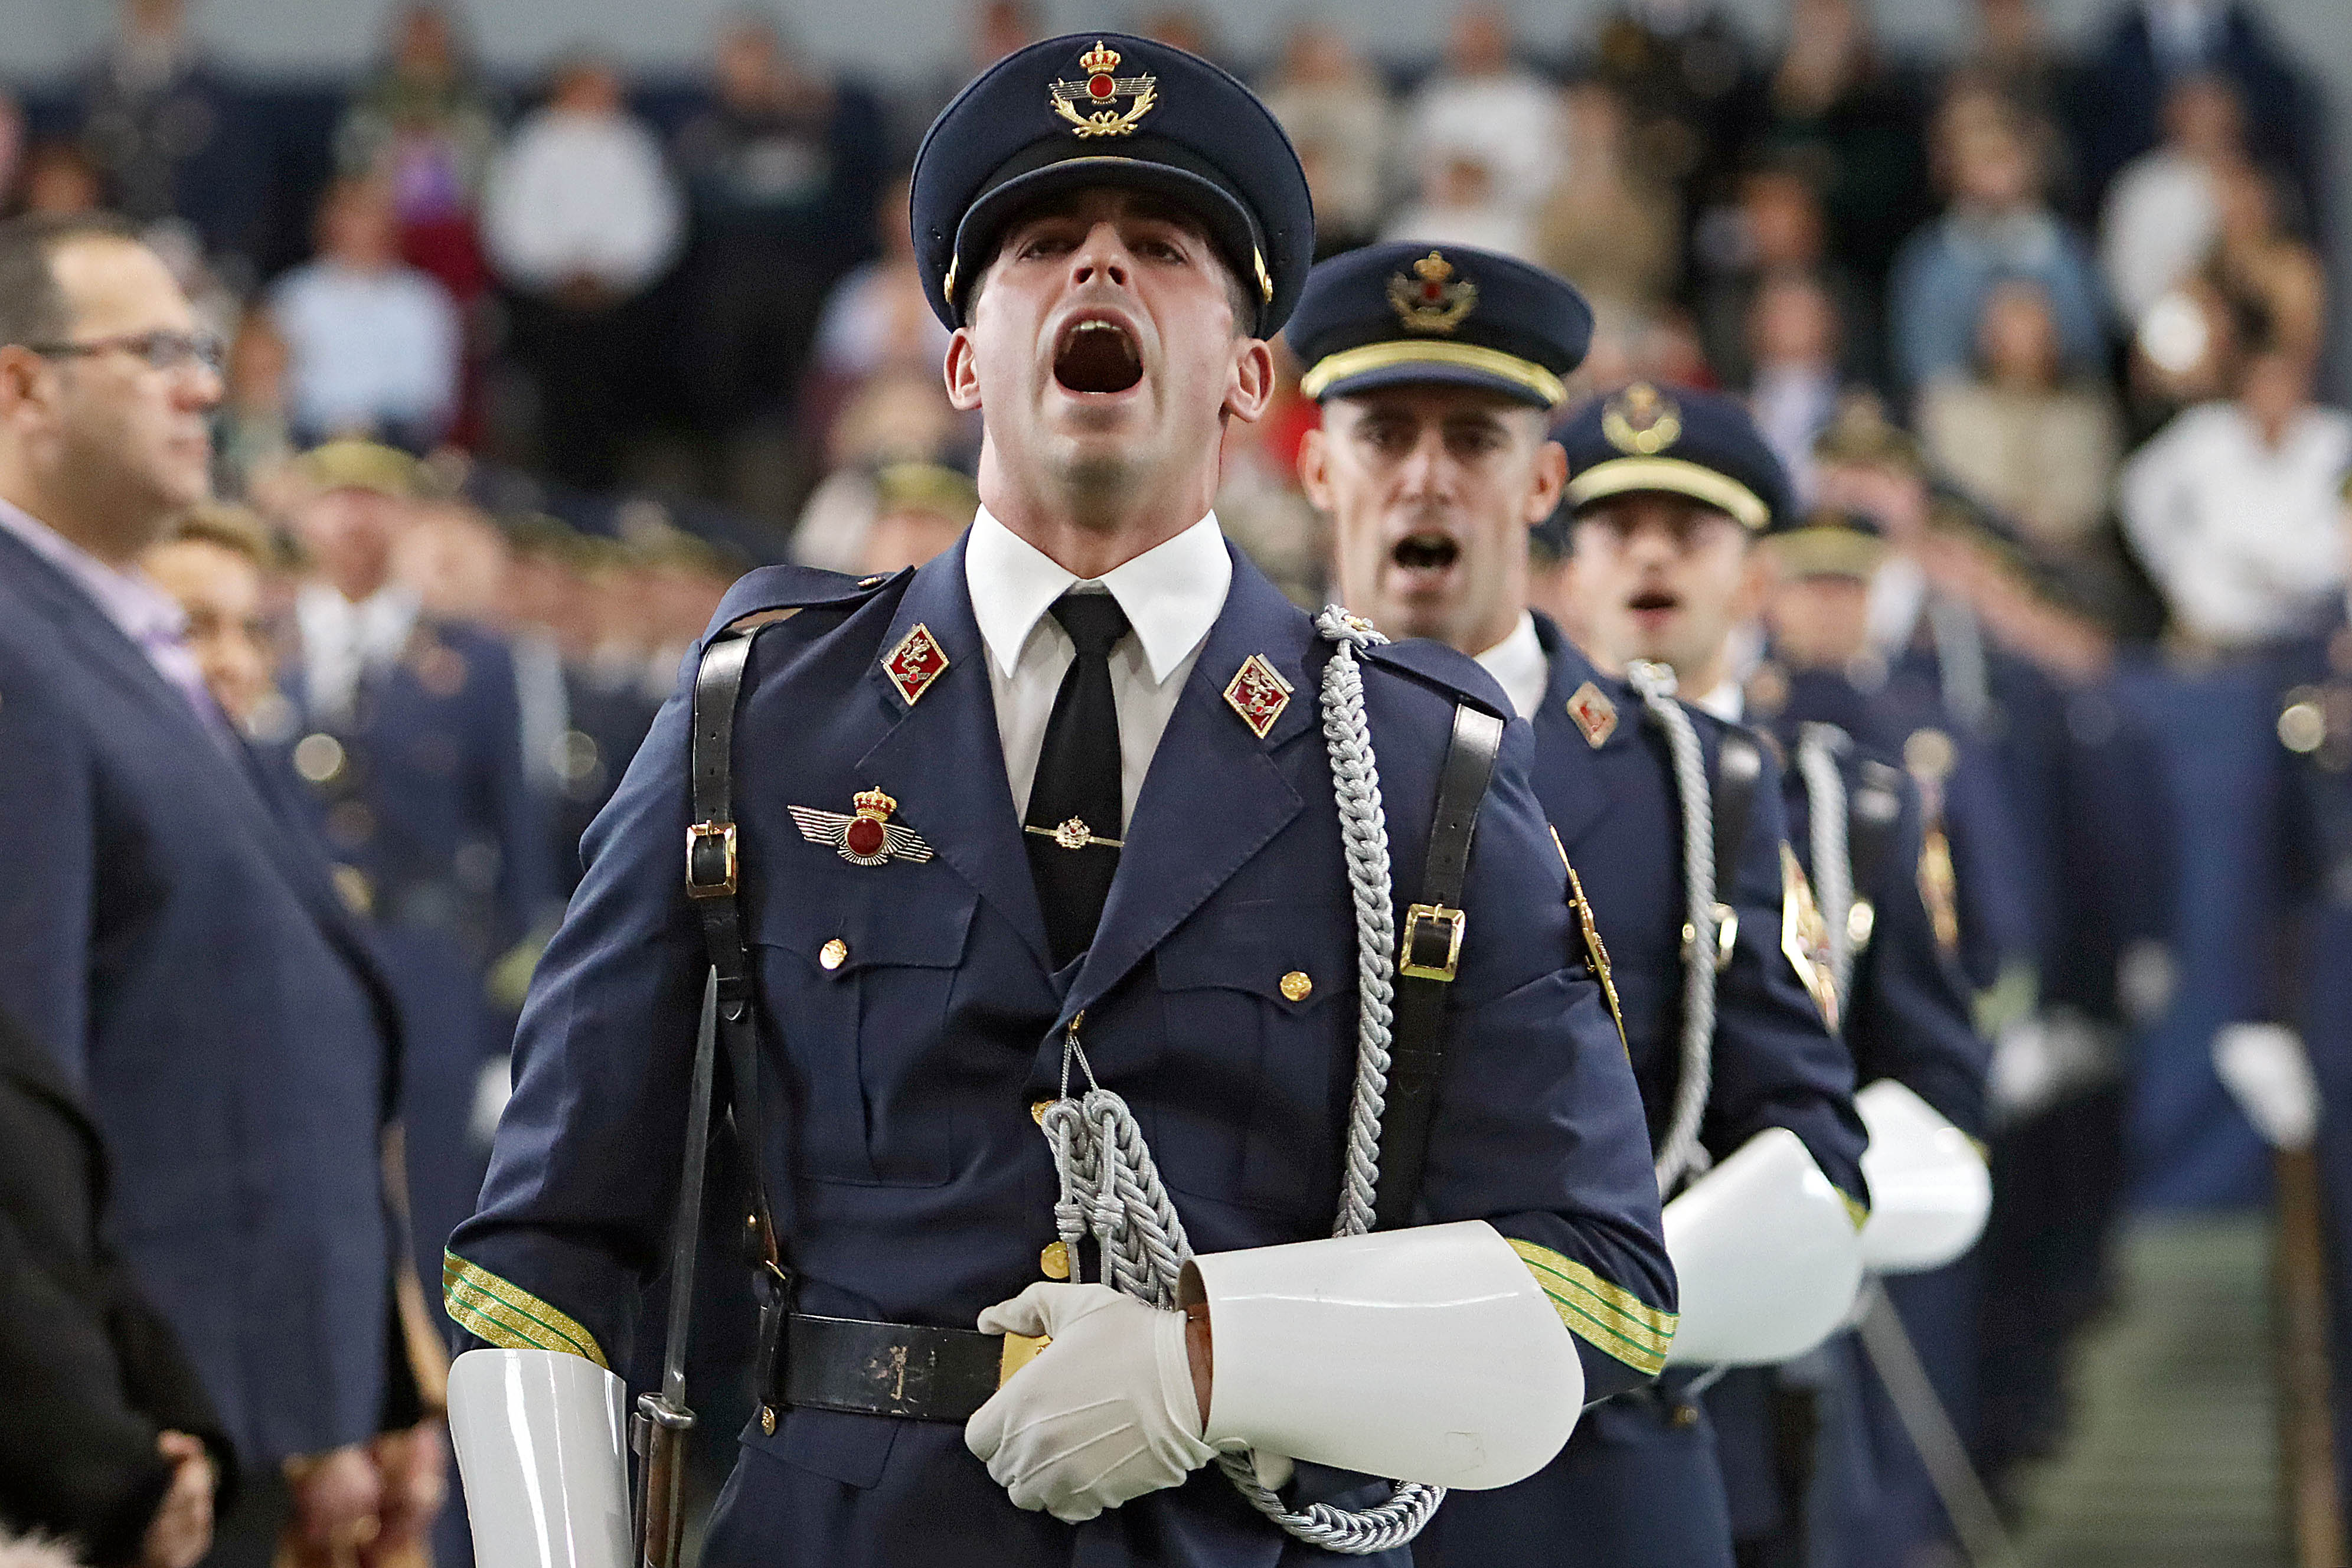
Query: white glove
{"x": 1105, "y": 1412}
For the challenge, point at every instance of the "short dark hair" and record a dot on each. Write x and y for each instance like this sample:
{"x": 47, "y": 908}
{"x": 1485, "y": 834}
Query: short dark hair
{"x": 32, "y": 307}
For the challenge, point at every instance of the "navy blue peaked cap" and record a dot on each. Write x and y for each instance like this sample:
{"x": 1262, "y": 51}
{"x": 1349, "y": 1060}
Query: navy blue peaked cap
{"x": 1109, "y": 109}
{"x": 1409, "y": 312}
{"x": 1678, "y": 440}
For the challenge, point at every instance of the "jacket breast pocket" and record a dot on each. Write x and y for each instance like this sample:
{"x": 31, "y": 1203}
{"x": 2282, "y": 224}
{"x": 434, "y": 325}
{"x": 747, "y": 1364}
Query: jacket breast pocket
{"x": 1249, "y": 1100}
{"x": 858, "y": 973}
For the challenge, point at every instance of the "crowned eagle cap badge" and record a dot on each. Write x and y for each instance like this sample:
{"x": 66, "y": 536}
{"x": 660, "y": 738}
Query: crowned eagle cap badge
{"x": 1433, "y": 300}
{"x": 1091, "y": 103}
{"x": 1642, "y": 420}
{"x": 867, "y": 838}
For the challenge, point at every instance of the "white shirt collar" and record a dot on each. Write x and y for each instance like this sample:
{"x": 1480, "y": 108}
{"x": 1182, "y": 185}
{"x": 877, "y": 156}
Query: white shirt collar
{"x": 130, "y": 598}
{"x": 1519, "y": 665}
{"x": 1172, "y": 593}
{"x": 1727, "y": 702}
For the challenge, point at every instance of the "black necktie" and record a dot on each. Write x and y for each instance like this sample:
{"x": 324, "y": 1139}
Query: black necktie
{"x": 1074, "y": 803}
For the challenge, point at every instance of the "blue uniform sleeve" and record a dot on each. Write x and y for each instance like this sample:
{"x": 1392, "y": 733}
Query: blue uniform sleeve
{"x": 526, "y": 884}
{"x": 1776, "y": 1062}
{"x": 583, "y": 1176}
{"x": 1911, "y": 1018}
{"x": 47, "y": 829}
{"x": 1540, "y": 1128}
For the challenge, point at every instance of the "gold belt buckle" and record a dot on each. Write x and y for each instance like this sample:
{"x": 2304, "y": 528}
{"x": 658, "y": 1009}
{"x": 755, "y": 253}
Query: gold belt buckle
{"x": 1452, "y": 921}
{"x": 1020, "y": 1349}
{"x": 695, "y": 835}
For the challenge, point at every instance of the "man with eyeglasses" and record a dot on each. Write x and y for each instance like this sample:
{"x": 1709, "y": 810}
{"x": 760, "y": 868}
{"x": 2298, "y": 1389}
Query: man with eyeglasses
{"x": 172, "y": 940}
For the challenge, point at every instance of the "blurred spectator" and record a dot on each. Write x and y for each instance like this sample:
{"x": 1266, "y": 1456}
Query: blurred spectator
{"x": 2013, "y": 55}
{"x": 919, "y": 510}
{"x": 215, "y": 562}
{"x": 1678, "y": 67}
{"x": 111, "y": 1442}
{"x": 2018, "y": 432}
{"x": 12, "y": 147}
{"x": 1996, "y": 227}
{"x": 2162, "y": 215}
{"x": 1610, "y": 226}
{"x": 581, "y": 217}
{"x": 425, "y": 125}
{"x": 2262, "y": 268}
{"x": 372, "y": 343}
{"x": 251, "y": 435}
{"x": 993, "y": 29}
{"x": 1792, "y": 340}
{"x": 897, "y": 418}
{"x": 2151, "y": 44}
{"x": 1463, "y": 202}
{"x": 1776, "y": 226}
{"x": 783, "y": 171}
{"x": 454, "y": 559}
{"x": 1185, "y": 28}
{"x": 59, "y": 178}
{"x": 171, "y": 139}
{"x": 1484, "y": 129}
{"x": 1830, "y": 112}
{"x": 2234, "y": 509}
{"x": 1338, "y": 110}
{"x": 876, "y": 321}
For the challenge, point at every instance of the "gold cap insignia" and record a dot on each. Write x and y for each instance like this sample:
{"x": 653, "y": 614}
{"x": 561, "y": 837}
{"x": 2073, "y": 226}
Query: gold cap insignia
{"x": 1438, "y": 302}
{"x": 1091, "y": 103}
{"x": 1805, "y": 936}
{"x": 1929, "y": 755}
{"x": 914, "y": 663}
{"x": 1258, "y": 693}
{"x": 1642, "y": 420}
{"x": 867, "y": 838}
{"x": 1594, "y": 714}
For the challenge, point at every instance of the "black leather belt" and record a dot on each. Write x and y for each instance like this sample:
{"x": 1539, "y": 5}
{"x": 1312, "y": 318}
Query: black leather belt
{"x": 905, "y": 1370}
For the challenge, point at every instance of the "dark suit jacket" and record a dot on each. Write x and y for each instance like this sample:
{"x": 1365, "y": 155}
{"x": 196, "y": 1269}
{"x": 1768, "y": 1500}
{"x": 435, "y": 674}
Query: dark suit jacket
{"x": 92, "y": 1369}
{"x": 179, "y": 944}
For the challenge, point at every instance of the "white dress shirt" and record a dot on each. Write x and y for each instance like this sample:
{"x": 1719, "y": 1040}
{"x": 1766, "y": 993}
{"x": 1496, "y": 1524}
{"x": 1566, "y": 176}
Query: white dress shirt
{"x": 342, "y": 641}
{"x": 582, "y": 193}
{"x": 1172, "y": 594}
{"x": 1519, "y": 667}
{"x": 2246, "y": 540}
{"x": 366, "y": 345}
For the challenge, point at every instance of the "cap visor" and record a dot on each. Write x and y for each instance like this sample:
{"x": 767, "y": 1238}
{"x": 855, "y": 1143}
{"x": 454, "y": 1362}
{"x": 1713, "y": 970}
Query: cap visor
{"x": 1425, "y": 373}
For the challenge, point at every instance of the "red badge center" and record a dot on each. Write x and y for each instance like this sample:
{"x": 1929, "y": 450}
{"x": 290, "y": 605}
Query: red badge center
{"x": 1100, "y": 87}
{"x": 865, "y": 837}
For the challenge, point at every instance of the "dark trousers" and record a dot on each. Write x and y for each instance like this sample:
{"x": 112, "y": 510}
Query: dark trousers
{"x": 246, "y": 1536}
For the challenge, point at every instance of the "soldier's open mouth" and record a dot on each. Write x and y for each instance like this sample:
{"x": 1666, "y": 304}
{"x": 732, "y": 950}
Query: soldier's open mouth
{"x": 1425, "y": 551}
{"x": 1654, "y": 601}
{"x": 1098, "y": 356}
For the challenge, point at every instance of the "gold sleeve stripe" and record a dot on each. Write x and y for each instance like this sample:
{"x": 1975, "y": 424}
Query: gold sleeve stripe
{"x": 1855, "y": 1209}
{"x": 1611, "y": 1318}
{"x": 509, "y": 1316}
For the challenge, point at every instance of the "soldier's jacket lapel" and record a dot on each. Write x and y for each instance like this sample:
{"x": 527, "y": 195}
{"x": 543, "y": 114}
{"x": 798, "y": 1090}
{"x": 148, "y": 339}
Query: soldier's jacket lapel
{"x": 1560, "y": 744}
{"x": 942, "y": 758}
{"x": 1214, "y": 796}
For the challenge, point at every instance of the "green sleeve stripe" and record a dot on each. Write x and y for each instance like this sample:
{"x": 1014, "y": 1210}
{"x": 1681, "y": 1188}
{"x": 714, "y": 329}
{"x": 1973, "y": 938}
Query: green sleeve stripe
{"x": 509, "y": 1316}
{"x": 1610, "y": 1319}
{"x": 1560, "y": 1275}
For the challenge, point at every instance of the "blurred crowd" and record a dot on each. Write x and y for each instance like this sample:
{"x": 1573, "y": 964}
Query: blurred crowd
{"x": 519, "y": 376}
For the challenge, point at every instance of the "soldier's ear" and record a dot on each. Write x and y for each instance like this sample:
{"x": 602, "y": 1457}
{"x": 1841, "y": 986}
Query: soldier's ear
{"x": 24, "y": 381}
{"x": 962, "y": 372}
{"x": 1250, "y": 385}
{"x": 1315, "y": 468}
{"x": 1551, "y": 479}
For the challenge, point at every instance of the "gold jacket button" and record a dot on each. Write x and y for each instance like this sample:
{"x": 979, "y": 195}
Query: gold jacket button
{"x": 1055, "y": 1261}
{"x": 1296, "y": 986}
{"x": 768, "y": 1419}
{"x": 1037, "y": 1109}
{"x": 832, "y": 955}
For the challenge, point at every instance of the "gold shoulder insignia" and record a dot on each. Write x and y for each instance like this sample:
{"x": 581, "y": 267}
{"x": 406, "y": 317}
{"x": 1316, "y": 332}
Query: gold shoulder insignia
{"x": 1805, "y": 936}
{"x": 1595, "y": 953}
{"x": 1939, "y": 887}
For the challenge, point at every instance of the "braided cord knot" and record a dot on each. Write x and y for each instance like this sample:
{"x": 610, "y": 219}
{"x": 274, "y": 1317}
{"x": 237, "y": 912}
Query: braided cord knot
{"x": 1111, "y": 1187}
{"x": 1818, "y": 746}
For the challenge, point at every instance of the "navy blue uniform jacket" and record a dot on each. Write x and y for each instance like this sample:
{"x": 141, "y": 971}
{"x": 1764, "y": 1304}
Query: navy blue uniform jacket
{"x": 177, "y": 941}
{"x": 1638, "y": 1483}
{"x": 911, "y": 1180}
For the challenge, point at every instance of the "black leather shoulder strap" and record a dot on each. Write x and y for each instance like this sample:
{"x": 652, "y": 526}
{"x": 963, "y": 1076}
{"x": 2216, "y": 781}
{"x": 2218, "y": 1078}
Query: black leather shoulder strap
{"x": 1872, "y": 809}
{"x": 712, "y": 877}
{"x": 1428, "y": 953}
{"x": 1738, "y": 763}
